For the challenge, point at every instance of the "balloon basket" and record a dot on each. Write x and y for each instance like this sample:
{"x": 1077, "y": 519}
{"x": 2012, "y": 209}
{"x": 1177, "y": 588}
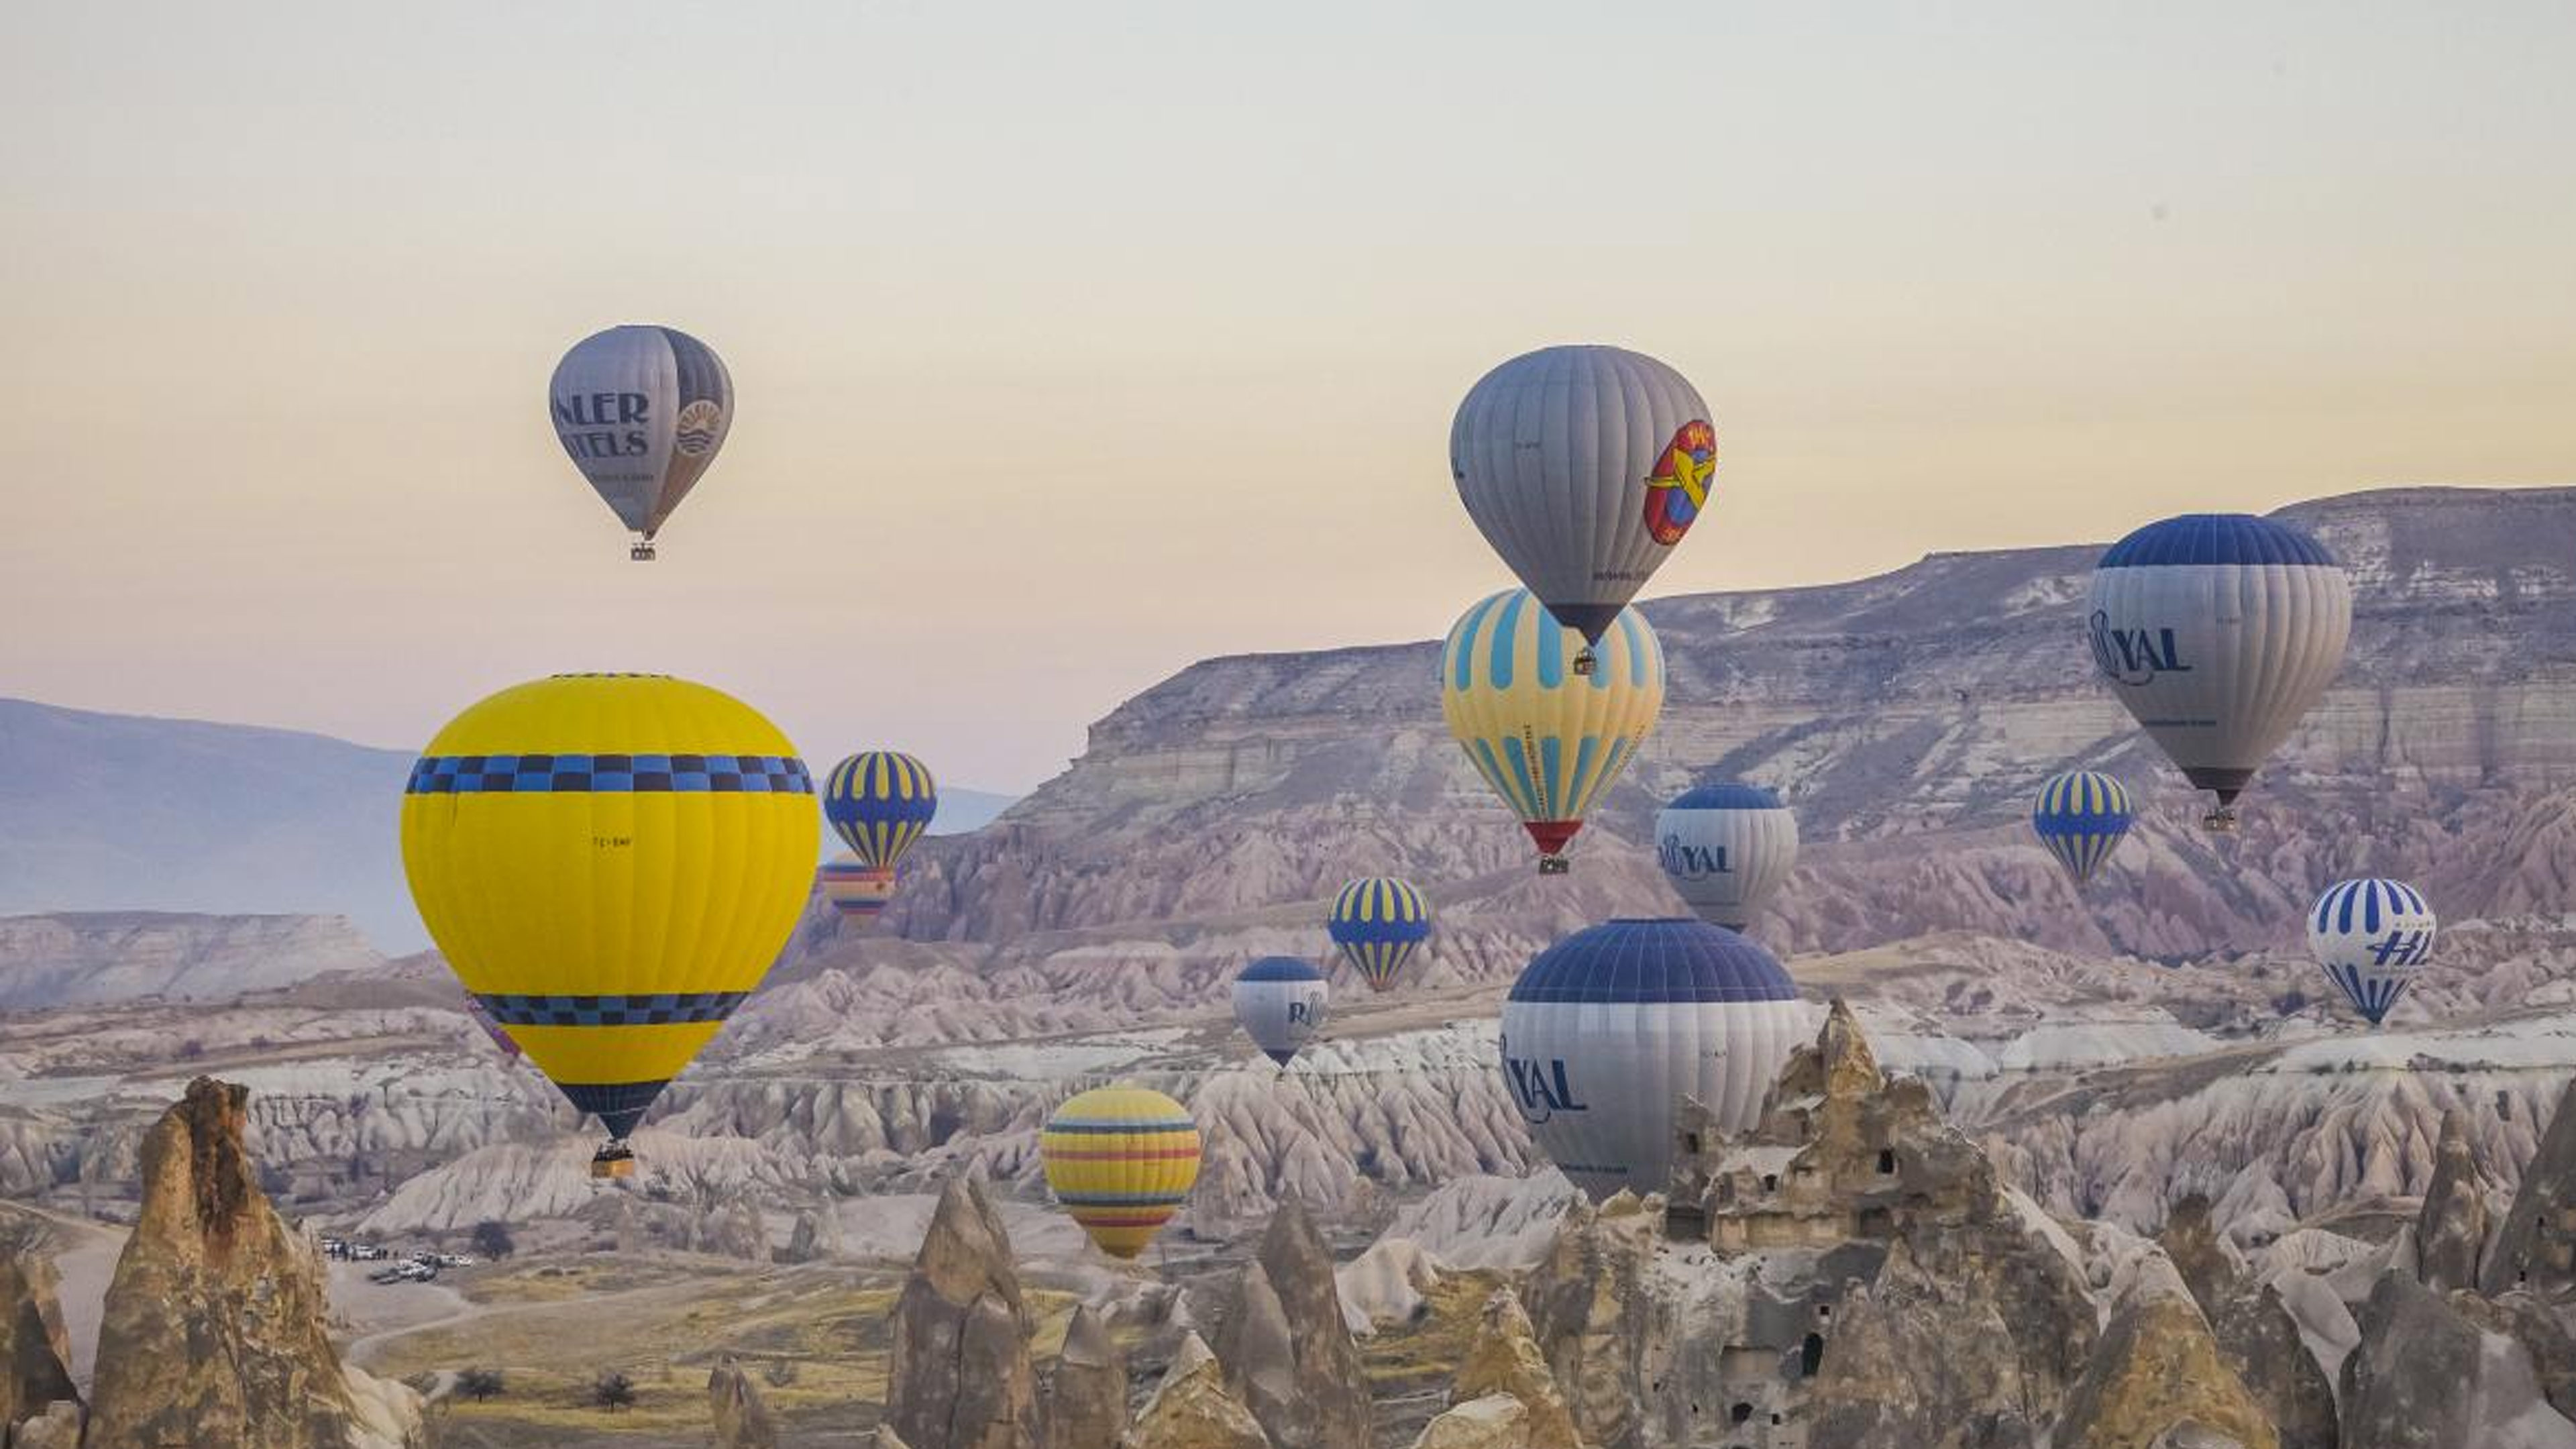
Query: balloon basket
{"x": 1585, "y": 661}
{"x": 2221, "y": 821}
{"x": 1554, "y": 865}
{"x": 642, "y": 552}
{"x": 613, "y": 1161}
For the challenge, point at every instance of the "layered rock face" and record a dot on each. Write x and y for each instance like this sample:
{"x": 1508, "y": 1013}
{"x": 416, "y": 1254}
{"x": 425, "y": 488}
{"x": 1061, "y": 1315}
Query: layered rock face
{"x": 959, "y": 1375}
{"x": 2256, "y": 1335}
{"x": 2157, "y": 1371}
{"x": 1505, "y": 1360}
{"x": 2451, "y": 1229}
{"x": 2535, "y": 1247}
{"x": 73, "y": 960}
{"x": 2428, "y": 1375}
{"x": 214, "y": 1332}
{"x": 1193, "y": 1409}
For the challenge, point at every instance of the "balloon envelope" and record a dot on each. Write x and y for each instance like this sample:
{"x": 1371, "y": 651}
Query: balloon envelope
{"x": 1726, "y": 848}
{"x": 561, "y": 839}
{"x": 856, "y": 891}
{"x": 1583, "y": 466}
{"x": 1378, "y": 922}
{"x": 2081, "y": 816}
{"x": 641, "y": 411}
{"x": 1547, "y": 739}
{"x": 879, "y": 803}
{"x": 2218, "y": 631}
{"x": 1608, "y": 1029}
{"x": 1280, "y": 1001}
{"x": 1122, "y": 1161}
{"x": 2371, "y": 937}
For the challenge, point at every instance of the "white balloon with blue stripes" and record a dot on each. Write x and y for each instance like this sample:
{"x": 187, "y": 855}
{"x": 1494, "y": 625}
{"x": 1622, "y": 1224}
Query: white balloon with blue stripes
{"x": 2371, "y": 937}
{"x": 1280, "y": 1001}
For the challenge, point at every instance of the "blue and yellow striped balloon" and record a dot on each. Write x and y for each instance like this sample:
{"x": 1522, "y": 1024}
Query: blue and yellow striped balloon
{"x": 1377, "y": 922}
{"x": 2081, "y": 817}
{"x": 1549, "y": 740}
{"x": 610, "y": 863}
{"x": 879, "y": 803}
{"x": 1122, "y": 1160}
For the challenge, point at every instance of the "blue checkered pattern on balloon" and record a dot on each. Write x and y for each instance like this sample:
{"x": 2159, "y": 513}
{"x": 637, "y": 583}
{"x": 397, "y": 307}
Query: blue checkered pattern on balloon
{"x": 663, "y": 1009}
{"x": 610, "y": 774}
{"x": 2081, "y": 816}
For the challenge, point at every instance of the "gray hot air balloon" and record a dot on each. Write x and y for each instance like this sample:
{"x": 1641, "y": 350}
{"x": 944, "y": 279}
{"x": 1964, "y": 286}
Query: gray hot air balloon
{"x": 1608, "y": 1029}
{"x": 642, "y": 411}
{"x": 1726, "y": 848}
{"x": 1583, "y": 466}
{"x": 2218, "y": 631}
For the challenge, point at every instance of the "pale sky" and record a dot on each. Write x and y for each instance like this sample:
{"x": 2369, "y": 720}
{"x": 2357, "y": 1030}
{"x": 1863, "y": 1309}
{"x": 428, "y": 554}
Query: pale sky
{"x": 1075, "y": 342}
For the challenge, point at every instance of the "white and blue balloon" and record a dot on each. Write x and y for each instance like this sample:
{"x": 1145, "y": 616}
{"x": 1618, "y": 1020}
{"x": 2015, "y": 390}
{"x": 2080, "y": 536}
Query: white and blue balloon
{"x": 1726, "y": 848}
{"x": 1280, "y": 1001}
{"x": 2371, "y": 937}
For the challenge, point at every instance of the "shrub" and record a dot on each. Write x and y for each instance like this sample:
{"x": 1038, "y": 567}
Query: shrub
{"x": 492, "y": 1239}
{"x": 479, "y": 1384}
{"x": 612, "y": 1390}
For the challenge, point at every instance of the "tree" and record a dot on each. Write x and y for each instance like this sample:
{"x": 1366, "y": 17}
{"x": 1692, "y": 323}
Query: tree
{"x": 479, "y": 1384}
{"x": 612, "y": 1390}
{"x": 492, "y": 1239}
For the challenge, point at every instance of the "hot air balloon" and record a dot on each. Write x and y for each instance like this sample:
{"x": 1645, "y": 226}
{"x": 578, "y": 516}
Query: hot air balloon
{"x": 1121, "y": 1160}
{"x": 1280, "y": 1001}
{"x": 880, "y": 802}
{"x": 1583, "y": 466}
{"x": 1548, "y": 742}
{"x": 2371, "y": 937}
{"x": 857, "y": 891}
{"x": 1609, "y": 1028}
{"x": 642, "y": 411}
{"x": 1377, "y": 922}
{"x": 2081, "y": 816}
{"x": 610, "y": 863}
{"x": 2218, "y": 631}
{"x": 1727, "y": 847}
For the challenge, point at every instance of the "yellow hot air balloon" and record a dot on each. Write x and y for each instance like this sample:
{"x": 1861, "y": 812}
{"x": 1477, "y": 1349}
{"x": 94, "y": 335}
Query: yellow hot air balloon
{"x": 610, "y": 862}
{"x": 1121, "y": 1160}
{"x": 1549, "y": 740}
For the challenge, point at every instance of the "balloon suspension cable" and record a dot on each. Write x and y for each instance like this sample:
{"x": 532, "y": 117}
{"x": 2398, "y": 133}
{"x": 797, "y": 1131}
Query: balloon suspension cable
{"x": 1585, "y": 660}
{"x": 1554, "y": 865}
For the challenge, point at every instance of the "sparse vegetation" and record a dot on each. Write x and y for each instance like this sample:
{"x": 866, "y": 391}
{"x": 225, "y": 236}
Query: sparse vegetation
{"x": 479, "y": 1384}
{"x": 612, "y": 1390}
{"x": 780, "y": 1372}
{"x": 492, "y": 1239}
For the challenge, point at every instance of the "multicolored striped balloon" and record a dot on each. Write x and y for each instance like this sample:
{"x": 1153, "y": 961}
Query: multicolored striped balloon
{"x": 2371, "y": 937}
{"x": 1122, "y": 1160}
{"x": 855, "y": 890}
{"x": 1377, "y": 922}
{"x": 879, "y": 803}
{"x": 2081, "y": 816}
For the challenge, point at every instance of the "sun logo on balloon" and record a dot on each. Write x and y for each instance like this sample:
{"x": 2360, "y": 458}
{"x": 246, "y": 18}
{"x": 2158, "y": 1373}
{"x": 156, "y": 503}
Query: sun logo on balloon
{"x": 1678, "y": 487}
{"x": 696, "y": 431}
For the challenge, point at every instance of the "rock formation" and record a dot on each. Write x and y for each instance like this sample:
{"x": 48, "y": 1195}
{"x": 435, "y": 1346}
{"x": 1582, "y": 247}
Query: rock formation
{"x": 1587, "y": 1307}
{"x": 2451, "y": 1229}
{"x": 2156, "y": 1369}
{"x": 1496, "y": 1421}
{"x": 959, "y": 1375}
{"x": 1919, "y": 1362}
{"x": 1086, "y": 1392}
{"x": 35, "y": 1351}
{"x": 1505, "y": 1360}
{"x": 742, "y": 1418}
{"x": 2256, "y": 1334}
{"x": 816, "y": 1236}
{"x": 214, "y": 1329}
{"x": 59, "y": 1427}
{"x": 1193, "y": 1409}
{"x": 2428, "y": 1377}
{"x": 1287, "y": 1346}
{"x": 2535, "y": 1247}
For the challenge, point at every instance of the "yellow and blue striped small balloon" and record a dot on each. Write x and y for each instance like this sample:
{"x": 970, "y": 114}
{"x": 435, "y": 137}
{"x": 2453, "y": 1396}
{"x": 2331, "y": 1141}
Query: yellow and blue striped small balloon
{"x": 1122, "y": 1160}
{"x": 879, "y": 803}
{"x": 2081, "y": 817}
{"x": 1378, "y": 921}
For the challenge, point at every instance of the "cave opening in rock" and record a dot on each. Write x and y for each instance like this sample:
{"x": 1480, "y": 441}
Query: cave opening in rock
{"x": 1811, "y": 1355}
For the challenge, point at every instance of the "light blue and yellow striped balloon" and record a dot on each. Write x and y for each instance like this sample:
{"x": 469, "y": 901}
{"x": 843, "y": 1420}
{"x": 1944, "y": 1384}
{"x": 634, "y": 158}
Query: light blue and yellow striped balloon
{"x": 1547, "y": 739}
{"x": 2081, "y": 816}
{"x": 1377, "y": 922}
{"x": 879, "y": 803}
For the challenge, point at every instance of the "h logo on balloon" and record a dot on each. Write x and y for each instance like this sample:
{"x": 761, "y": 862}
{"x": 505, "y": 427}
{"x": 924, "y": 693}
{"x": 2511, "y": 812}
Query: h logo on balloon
{"x": 1678, "y": 487}
{"x": 2399, "y": 948}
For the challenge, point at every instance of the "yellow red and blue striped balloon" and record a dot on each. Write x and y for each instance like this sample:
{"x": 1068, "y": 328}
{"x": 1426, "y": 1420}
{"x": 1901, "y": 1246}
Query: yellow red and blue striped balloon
{"x": 610, "y": 863}
{"x": 1549, "y": 740}
{"x": 857, "y": 891}
{"x": 879, "y": 803}
{"x": 1122, "y": 1160}
{"x": 2082, "y": 816}
{"x": 1378, "y": 922}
